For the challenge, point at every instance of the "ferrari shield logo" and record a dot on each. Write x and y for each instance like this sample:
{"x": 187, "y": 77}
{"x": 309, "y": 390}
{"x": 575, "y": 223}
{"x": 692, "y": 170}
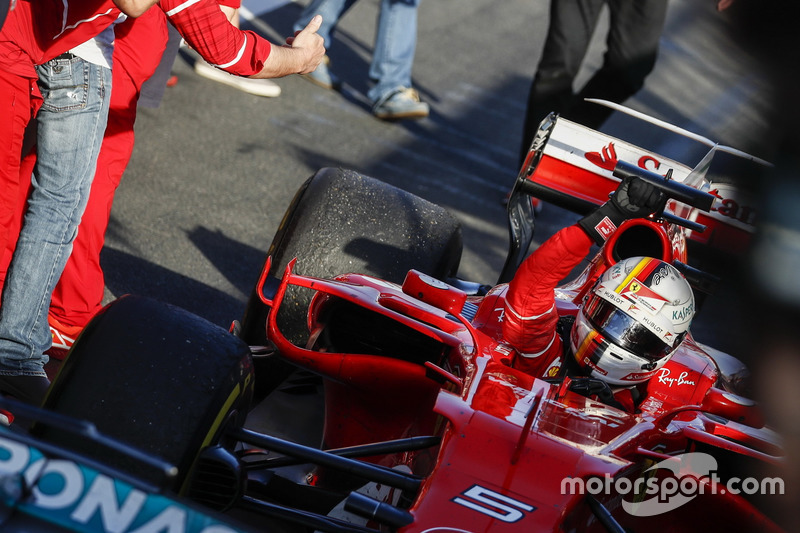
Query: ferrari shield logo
{"x": 641, "y": 295}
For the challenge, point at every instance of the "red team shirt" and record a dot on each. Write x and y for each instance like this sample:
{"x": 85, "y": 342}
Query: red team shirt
{"x": 39, "y": 30}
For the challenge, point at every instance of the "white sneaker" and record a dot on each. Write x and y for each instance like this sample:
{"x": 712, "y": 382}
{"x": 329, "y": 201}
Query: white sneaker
{"x": 258, "y": 87}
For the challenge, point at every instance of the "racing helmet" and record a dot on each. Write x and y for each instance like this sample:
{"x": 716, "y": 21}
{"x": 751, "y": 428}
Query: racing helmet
{"x": 637, "y": 313}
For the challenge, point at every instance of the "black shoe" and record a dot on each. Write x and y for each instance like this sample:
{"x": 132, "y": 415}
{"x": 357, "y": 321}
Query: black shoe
{"x": 29, "y": 389}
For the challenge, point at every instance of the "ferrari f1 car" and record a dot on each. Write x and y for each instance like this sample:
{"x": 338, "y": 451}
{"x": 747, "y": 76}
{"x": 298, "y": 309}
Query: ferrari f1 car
{"x": 426, "y": 426}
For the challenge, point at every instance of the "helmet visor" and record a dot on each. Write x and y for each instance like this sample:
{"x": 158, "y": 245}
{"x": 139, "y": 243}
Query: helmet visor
{"x": 623, "y": 330}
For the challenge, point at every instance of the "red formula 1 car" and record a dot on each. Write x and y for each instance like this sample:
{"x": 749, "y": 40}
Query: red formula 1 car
{"x": 426, "y": 425}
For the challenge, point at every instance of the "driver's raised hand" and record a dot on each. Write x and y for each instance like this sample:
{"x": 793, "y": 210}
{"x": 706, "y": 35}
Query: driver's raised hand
{"x": 634, "y": 198}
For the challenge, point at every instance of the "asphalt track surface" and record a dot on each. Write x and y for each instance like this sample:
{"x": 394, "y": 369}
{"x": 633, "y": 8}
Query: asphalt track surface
{"x": 214, "y": 168}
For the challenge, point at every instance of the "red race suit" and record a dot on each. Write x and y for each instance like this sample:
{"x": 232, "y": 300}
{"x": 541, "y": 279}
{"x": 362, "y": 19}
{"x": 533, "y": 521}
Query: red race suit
{"x": 530, "y": 317}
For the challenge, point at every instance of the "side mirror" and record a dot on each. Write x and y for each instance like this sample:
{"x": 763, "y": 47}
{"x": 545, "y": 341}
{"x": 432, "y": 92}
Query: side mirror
{"x": 733, "y": 407}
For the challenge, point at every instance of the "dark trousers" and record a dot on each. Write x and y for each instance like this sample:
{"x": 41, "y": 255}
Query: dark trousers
{"x": 632, "y": 46}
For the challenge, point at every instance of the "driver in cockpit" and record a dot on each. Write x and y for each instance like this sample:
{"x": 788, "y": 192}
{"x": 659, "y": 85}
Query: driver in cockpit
{"x": 631, "y": 321}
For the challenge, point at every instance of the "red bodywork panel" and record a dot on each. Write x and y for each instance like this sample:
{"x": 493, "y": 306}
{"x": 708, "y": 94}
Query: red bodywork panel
{"x": 426, "y": 359}
{"x": 509, "y": 440}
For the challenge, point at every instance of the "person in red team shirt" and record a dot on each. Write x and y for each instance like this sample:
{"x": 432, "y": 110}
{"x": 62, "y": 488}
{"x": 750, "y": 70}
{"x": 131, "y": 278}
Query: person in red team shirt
{"x": 616, "y": 338}
{"x": 137, "y": 45}
{"x": 38, "y": 33}
{"x": 79, "y": 293}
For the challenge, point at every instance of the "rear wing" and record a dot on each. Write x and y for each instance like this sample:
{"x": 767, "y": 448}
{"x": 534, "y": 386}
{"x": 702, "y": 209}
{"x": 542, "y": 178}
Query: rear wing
{"x": 572, "y": 166}
{"x": 575, "y": 166}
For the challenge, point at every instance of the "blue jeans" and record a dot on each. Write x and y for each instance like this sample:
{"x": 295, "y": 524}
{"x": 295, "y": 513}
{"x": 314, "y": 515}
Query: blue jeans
{"x": 395, "y": 39}
{"x": 71, "y": 124}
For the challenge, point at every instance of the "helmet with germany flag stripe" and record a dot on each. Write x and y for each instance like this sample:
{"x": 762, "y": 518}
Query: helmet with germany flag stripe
{"x": 637, "y": 313}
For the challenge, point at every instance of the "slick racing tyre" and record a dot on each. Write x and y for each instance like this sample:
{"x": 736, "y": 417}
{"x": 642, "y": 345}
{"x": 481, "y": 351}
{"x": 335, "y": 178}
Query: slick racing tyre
{"x": 155, "y": 377}
{"x": 342, "y": 222}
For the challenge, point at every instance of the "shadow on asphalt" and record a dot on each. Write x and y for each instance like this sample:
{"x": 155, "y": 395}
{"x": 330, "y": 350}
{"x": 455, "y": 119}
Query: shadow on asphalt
{"x": 239, "y": 264}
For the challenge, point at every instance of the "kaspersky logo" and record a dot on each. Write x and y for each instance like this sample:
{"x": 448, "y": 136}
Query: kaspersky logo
{"x": 687, "y": 476}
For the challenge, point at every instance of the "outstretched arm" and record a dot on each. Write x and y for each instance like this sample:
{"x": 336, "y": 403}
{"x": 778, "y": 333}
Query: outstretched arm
{"x": 301, "y": 54}
{"x": 241, "y": 52}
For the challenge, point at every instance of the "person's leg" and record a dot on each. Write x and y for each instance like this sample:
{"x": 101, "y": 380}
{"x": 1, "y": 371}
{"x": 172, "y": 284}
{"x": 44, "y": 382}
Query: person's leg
{"x": 331, "y": 11}
{"x": 572, "y": 23}
{"x": 138, "y": 47}
{"x": 70, "y": 130}
{"x": 24, "y": 188}
{"x": 632, "y": 48}
{"x": 395, "y": 45}
{"x": 390, "y": 71}
{"x": 19, "y": 99}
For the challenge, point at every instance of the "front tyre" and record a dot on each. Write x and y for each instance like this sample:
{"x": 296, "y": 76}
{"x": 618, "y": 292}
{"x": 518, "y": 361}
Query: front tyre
{"x": 343, "y": 222}
{"x": 153, "y": 376}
